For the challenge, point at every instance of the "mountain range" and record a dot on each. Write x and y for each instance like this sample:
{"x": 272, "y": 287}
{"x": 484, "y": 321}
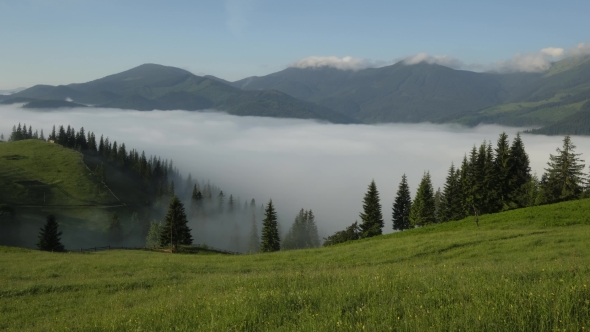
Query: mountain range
{"x": 555, "y": 102}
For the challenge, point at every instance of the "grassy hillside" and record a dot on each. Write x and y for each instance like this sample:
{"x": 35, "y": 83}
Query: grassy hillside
{"x": 37, "y": 173}
{"x": 522, "y": 270}
{"x": 38, "y": 178}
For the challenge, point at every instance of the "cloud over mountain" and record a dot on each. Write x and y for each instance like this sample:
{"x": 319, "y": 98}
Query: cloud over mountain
{"x": 345, "y": 63}
{"x": 443, "y": 60}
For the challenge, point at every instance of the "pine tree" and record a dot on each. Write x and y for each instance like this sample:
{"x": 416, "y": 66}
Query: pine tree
{"x": 519, "y": 174}
{"x": 565, "y": 179}
{"x": 49, "y": 237}
{"x": 437, "y": 205}
{"x": 372, "y": 219}
{"x": 502, "y": 170}
{"x": 402, "y": 205}
{"x": 175, "y": 230}
{"x": 230, "y": 204}
{"x": 451, "y": 205}
{"x": 423, "y": 209}
{"x": 153, "y": 237}
{"x": 303, "y": 232}
{"x": 220, "y": 200}
{"x": 254, "y": 243}
{"x": 270, "y": 240}
{"x": 312, "y": 230}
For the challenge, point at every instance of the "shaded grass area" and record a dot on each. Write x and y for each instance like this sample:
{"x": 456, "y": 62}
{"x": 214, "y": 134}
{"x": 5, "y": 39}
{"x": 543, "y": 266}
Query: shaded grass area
{"x": 522, "y": 270}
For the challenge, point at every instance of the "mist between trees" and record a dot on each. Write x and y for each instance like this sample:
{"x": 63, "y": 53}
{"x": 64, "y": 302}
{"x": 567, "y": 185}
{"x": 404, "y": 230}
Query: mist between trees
{"x": 156, "y": 215}
{"x": 300, "y": 164}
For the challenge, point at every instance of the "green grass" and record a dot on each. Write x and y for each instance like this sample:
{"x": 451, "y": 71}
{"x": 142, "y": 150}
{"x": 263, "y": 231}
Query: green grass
{"x": 522, "y": 270}
{"x": 37, "y": 173}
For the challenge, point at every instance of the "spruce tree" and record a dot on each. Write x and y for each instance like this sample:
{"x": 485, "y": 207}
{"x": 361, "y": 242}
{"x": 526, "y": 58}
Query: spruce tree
{"x": 175, "y": 231}
{"x": 312, "y": 230}
{"x": 270, "y": 240}
{"x": 402, "y": 205}
{"x": 254, "y": 242}
{"x": 519, "y": 174}
{"x": 565, "y": 179}
{"x": 153, "y": 237}
{"x": 451, "y": 205}
{"x": 422, "y": 211}
{"x": 502, "y": 170}
{"x": 372, "y": 219}
{"x": 437, "y": 205}
{"x": 49, "y": 237}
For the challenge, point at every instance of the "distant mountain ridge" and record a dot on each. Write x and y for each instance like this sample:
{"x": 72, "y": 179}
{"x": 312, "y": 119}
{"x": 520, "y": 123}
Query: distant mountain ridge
{"x": 151, "y": 86}
{"x": 396, "y": 93}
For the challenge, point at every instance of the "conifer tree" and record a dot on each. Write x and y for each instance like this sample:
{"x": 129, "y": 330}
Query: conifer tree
{"x": 519, "y": 174}
{"x": 153, "y": 237}
{"x": 175, "y": 230}
{"x": 451, "y": 205}
{"x": 502, "y": 169}
{"x": 303, "y": 232}
{"x": 565, "y": 179}
{"x": 220, "y": 200}
{"x": 254, "y": 243}
{"x": 372, "y": 219}
{"x": 402, "y": 205}
{"x": 437, "y": 205}
{"x": 270, "y": 240}
{"x": 423, "y": 209}
{"x": 49, "y": 237}
{"x": 230, "y": 204}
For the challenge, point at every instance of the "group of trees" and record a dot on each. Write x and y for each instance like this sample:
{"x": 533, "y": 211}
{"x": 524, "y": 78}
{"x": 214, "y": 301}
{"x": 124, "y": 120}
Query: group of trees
{"x": 489, "y": 180}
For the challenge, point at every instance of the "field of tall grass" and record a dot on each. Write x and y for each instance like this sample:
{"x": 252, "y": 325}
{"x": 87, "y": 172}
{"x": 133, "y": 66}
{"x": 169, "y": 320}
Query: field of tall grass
{"x": 522, "y": 270}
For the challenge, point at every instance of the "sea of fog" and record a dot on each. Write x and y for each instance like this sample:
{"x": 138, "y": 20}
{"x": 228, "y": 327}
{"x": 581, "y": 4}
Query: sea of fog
{"x": 297, "y": 163}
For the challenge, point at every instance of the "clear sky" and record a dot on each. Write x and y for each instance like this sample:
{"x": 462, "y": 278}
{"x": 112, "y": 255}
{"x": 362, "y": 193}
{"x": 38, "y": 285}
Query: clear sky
{"x": 67, "y": 41}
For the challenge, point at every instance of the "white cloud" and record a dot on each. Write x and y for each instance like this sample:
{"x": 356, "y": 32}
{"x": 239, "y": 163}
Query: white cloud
{"x": 443, "y": 60}
{"x": 579, "y": 50}
{"x": 345, "y": 63}
{"x": 553, "y": 51}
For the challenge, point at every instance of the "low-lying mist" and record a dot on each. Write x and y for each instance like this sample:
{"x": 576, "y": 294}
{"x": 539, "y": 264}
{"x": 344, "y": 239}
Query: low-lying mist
{"x": 297, "y": 163}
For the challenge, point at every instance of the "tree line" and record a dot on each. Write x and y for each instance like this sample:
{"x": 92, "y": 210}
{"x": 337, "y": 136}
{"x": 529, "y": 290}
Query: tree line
{"x": 489, "y": 180}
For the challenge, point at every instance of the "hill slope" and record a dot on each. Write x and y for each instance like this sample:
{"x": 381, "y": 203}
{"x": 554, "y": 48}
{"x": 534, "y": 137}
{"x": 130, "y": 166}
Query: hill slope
{"x": 526, "y": 269}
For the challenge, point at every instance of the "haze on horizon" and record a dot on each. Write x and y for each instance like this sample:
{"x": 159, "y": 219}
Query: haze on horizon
{"x": 297, "y": 163}
{"x": 61, "y": 42}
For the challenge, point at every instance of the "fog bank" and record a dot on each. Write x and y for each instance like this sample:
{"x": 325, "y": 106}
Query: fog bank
{"x": 297, "y": 163}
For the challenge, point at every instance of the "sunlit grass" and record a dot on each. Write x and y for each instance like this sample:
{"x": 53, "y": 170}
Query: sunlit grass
{"x": 523, "y": 270}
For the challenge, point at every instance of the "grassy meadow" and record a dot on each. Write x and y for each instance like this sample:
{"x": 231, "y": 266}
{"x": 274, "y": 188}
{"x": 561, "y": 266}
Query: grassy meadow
{"x": 522, "y": 270}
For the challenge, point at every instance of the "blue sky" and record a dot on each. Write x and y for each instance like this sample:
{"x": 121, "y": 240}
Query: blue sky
{"x": 65, "y": 41}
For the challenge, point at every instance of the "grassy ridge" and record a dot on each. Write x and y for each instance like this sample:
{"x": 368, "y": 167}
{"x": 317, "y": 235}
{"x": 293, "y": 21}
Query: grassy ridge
{"x": 520, "y": 270}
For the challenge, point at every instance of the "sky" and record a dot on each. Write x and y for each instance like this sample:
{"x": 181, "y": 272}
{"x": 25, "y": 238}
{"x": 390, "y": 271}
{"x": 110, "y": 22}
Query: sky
{"x": 71, "y": 41}
{"x": 297, "y": 163}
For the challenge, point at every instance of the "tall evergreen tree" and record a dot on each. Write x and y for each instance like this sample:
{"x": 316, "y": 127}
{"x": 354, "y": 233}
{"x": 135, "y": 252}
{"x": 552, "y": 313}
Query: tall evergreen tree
{"x": 49, "y": 237}
{"x": 519, "y": 174}
{"x": 451, "y": 205}
{"x": 175, "y": 230}
{"x": 270, "y": 240}
{"x": 402, "y": 205}
{"x": 230, "y": 204}
{"x": 422, "y": 211}
{"x": 254, "y": 242}
{"x": 220, "y": 201}
{"x": 565, "y": 176}
{"x": 502, "y": 170}
{"x": 437, "y": 205}
{"x": 372, "y": 219}
{"x": 303, "y": 232}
